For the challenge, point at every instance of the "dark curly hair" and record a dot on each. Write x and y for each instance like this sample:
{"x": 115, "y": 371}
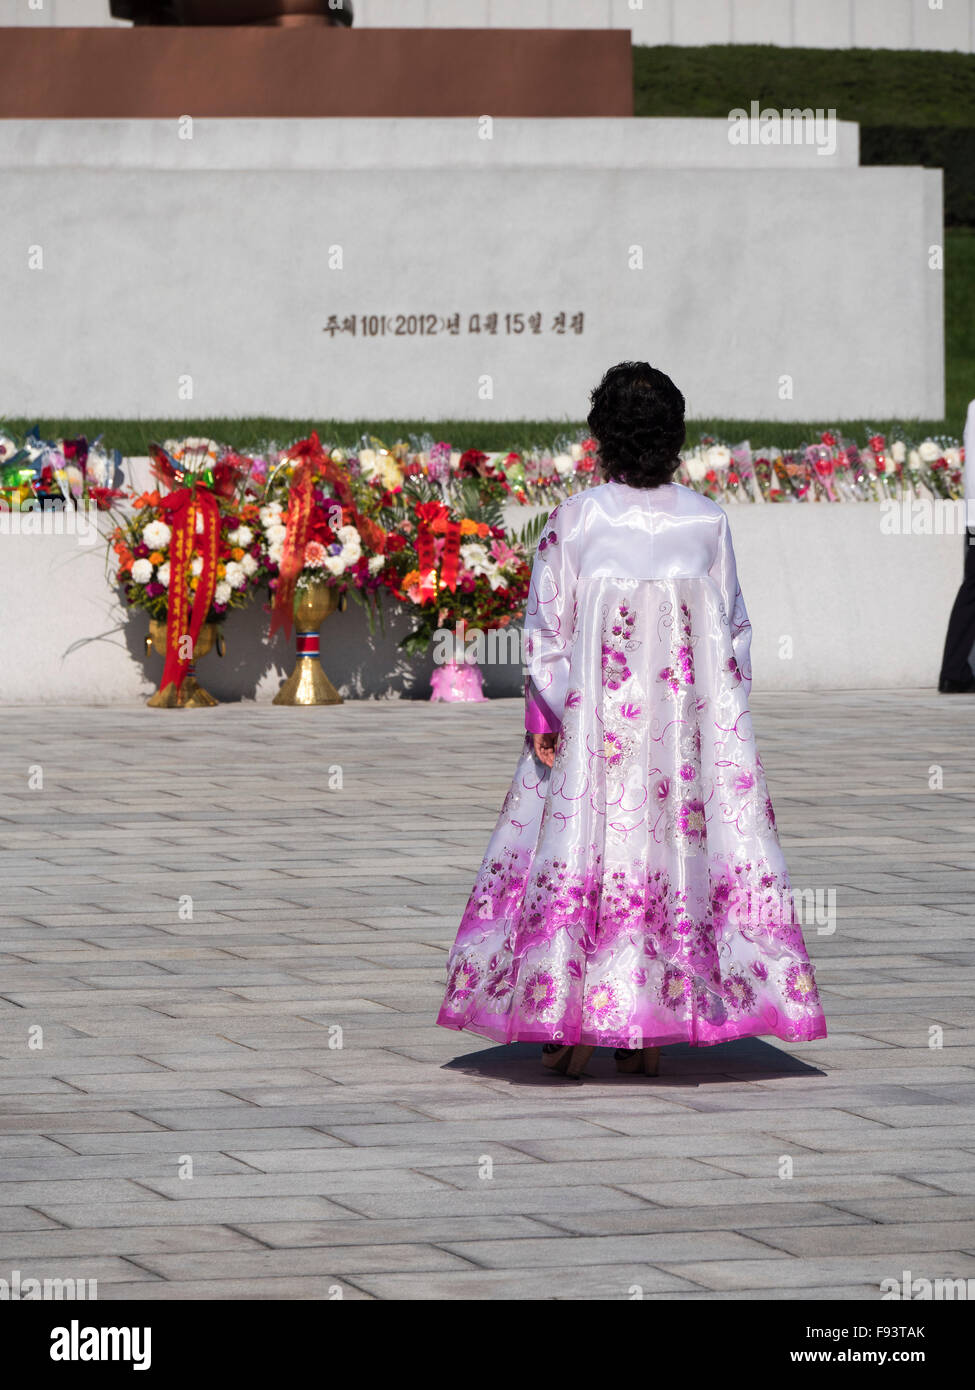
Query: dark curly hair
{"x": 637, "y": 419}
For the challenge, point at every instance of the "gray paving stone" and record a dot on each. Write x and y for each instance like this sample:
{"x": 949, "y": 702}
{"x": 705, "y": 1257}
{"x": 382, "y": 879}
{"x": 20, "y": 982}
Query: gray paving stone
{"x": 774, "y": 1189}
{"x": 740, "y": 1216}
{"x": 796, "y": 1273}
{"x": 569, "y": 1281}
{"x": 355, "y": 1172}
{"x": 313, "y": 1288}
{"x": 190, "y": 1212}
{"x": 528, "y": 1253}
{"x": 348, "y": 1259}
{"x": 901, "y": 1237}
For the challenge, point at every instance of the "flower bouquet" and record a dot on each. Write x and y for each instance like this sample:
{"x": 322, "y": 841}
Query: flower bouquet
{"x": 461, "y": 576}
{"x": 62, "y": 473}
{"x": 187, "y": 554}
{"x": 318, "y": 545}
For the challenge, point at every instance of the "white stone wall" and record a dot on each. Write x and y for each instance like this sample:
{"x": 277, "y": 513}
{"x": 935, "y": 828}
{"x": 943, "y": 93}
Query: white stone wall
{"x": 905, "y": 24}
{"x": 862, "y": 611}
{"x": 189, "y": 278}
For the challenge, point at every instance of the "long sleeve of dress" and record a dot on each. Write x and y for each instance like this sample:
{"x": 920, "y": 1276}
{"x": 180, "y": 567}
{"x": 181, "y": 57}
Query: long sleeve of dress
{"x": 724, "y": 572}
{"x": 549, "y": 620}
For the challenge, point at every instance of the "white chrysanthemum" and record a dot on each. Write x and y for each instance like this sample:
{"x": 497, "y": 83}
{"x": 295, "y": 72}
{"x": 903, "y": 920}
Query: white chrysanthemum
{"x": 376, "y": 563}
{"x": 270, "y": 515}
{"x": 475, "y": 557}
{"x": 157, "y": 535}
{"x": 335, "y": 564}
{"x": 249, "y": 565}
{"x": 242, "y": 536}
{"x": 276, "y": 533}
{"x": 162, "y": 574}
{"x": 196, "y": 565}
{"x": 235, "y": 575}
{"x": 348, "y": 535}
{"x": 222, "y": 592}
{"x": 929, "y": 451}
{"x": 718, "y": 456}
{"x": 142, "y": 571}
{"x": 696, "y": 467}
{"x": 564, "y": 465}
{"x": 275, "y": 553}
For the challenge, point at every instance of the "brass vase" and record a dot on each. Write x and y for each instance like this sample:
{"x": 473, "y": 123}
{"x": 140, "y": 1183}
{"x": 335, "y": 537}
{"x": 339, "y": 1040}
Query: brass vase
{"x": 191, "y": 692}
{"x": 308, "y": 683}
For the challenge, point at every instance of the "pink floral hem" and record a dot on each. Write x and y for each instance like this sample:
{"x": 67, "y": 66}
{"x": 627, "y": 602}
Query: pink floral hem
{"x": 510, "y": 1031}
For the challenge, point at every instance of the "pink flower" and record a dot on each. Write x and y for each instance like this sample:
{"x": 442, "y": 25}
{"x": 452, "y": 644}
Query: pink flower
{"x": 503, "y": 553}
{"x": 315, "y": 554}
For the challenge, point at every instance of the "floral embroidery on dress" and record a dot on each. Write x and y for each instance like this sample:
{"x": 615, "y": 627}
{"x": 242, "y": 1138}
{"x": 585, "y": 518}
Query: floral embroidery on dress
{"x": 615, "y": 666}
{"x": 680, "y": 673}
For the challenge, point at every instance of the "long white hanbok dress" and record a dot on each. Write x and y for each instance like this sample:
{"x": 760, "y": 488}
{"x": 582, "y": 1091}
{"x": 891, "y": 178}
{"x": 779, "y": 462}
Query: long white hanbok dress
{"x": 636, "y": 894}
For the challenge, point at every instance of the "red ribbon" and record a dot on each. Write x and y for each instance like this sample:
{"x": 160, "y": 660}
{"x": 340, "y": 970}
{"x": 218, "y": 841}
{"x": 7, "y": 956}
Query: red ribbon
{"x": 450, "y": 562}
{"x": 298, "y": 523}
{"x": 427, "y": 513}
{"x": 183, "y": 506}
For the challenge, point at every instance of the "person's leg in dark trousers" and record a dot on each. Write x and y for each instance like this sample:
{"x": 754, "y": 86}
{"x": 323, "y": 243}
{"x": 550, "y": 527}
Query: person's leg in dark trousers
{"x": 956, "y": 673}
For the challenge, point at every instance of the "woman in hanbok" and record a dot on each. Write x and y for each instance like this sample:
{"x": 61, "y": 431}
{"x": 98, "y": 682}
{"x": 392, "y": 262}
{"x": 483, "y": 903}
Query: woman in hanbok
{"x": 634, "y": 892}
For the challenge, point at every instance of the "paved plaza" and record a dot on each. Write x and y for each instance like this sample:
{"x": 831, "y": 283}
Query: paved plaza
{"x": 240, "y": 1091}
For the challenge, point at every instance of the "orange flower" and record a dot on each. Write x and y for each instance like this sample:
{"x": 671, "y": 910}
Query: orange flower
{"x": 483, "y": 529}
{"x": 237, "y": 552}
{"x": 156, "y": 558}
{"x": 146, "y": 499}
{"x": 468, "y": 527}
{"x": 221, "y": 571}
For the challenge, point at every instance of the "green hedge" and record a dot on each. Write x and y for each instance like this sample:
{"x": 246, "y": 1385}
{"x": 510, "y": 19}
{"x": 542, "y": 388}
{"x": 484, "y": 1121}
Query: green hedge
{"x": 249, "y": 434}
{"x": 913, "y": 108}
{"x": 951, "y": 148}
{"x": 877, "y": 87}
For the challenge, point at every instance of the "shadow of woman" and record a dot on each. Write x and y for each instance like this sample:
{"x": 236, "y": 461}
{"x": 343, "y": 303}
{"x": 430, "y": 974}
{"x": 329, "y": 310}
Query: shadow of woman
{"x": 744, "y": 1059}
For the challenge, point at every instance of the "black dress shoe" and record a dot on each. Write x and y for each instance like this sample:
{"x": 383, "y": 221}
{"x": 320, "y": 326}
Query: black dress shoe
{"x": 946, "y": 687}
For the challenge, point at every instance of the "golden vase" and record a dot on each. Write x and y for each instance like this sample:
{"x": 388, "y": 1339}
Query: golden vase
{"x": 308, "y": 683}
{"x": 191, "y": 692}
